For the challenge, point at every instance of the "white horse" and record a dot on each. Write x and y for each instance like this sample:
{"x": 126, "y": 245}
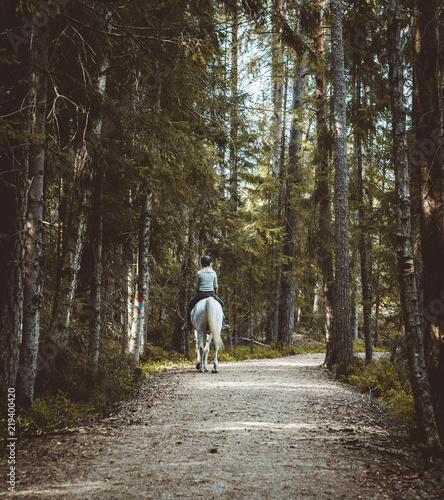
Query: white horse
{"x": 207, "y": 317}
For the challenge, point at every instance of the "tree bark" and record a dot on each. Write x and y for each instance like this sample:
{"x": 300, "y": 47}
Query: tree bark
{"x": 14, "y": 163}
{"x": 341, "y": 349}
{"x": 277, "y": 130}
{"x": 288, "y": 278}
{"x": 322, "y": 195}
{"x": 39, "y": 45}
{"x": 180, "y": 339}
{"x": 428, "y": 157}
{"x": 234, "y": 130}
{"x": 129, "y": 290}
{"x": 74, "y": 231}
{"x": 409, "y": 297}
{"x": 95, "y": 324}
{"x": 143, "y": 273}
{"x": 363, "y": 252}
{"x": 234, "y": 118}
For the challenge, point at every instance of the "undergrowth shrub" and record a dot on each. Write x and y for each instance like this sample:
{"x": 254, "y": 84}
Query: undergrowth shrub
{"x": 53, "y": 412}
{"x": 273, "y": 350}
{"x": 158, "y": 358}
{"x": 359, "y": 346}
{"x": 388, "y": 385}
{"x": 89, "y": 396}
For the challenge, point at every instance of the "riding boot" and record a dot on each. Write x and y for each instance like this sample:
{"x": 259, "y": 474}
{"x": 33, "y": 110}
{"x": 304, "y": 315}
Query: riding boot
{"x": 188, "y": 325}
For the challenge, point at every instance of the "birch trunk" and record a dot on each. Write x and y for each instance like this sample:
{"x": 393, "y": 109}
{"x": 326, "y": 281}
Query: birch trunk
{"x": 341, "y": 349}
{"x": 124, "y": 320}
{"x": 129, "y": 291}
{"x": 95, "y": 325}
{"x": 143, "y": 274}
{"x": 74, "y": 231}
{"x": 354, "y": 311}
{"x": 36, "y": 125}
{"x": 409, "y": 297}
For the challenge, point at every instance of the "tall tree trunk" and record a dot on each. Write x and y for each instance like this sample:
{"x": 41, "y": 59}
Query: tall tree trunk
{"x": 143, "y": 273}
{"x": 39, "y": 46}
{"x": 234, "y": 130}
{"x": 234, "y": 118}
{"x": 365, "y": 275}
{"x": 97, "y": 224}
{"x": 354, "y": 297}
{"x": 322, "y": 195}
{"x": 14, "y": 162}
{"x": 409, "y": 297}
{"x": 341, "y": 351}
{"x": 74, "y": 231}
{"x": 277, "y": 130}
{"x": 429, "y": 156}
{"x": 129, "y": 290}
{"x": 124, "y": 317}
{"x": 95, "y": 324}
{"x": 77, "y": 212}
{"x": 288, "y": 278}
{"x": 180, "y": 339}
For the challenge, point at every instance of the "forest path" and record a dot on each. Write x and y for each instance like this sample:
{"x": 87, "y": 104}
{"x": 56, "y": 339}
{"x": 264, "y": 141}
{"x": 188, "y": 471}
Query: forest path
{"x": 266, "y": 429}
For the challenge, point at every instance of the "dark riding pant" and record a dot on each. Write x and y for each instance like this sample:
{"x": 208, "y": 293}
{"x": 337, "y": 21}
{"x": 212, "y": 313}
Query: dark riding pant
{"x": 200, "y": 296}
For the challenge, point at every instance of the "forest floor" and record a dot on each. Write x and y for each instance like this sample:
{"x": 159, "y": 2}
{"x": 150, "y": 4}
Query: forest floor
{"x": 263, "y": 429}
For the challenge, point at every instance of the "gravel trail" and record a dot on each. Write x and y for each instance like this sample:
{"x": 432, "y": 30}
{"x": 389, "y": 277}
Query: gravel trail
{"x": 265, "y": 429}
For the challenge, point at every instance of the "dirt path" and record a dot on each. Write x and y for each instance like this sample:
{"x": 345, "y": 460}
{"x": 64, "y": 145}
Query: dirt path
{"x": 268, "y": 429}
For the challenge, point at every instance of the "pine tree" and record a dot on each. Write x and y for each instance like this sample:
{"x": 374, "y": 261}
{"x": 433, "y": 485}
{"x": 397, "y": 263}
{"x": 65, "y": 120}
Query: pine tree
{"x": 341, "y": 350}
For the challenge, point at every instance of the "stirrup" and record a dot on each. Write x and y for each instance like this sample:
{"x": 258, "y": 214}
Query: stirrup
{"x": 187, "y": 326}
{"x": 224, "y": 326}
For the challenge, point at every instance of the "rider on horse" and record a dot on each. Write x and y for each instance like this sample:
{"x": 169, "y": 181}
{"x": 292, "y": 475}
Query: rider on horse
{"x": 206, "y": 286}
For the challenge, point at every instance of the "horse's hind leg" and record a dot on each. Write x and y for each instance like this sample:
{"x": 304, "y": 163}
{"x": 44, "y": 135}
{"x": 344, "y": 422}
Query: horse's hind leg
{"x": 203, "y": 364}
{"x": 206, "y": 351}
{"x": 198, "y": 361}
{"x": 215, "y": 363}
{"x": 199, "y": 352}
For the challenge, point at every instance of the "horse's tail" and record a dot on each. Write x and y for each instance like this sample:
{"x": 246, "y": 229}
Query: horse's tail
{"x": 215, "y": 321}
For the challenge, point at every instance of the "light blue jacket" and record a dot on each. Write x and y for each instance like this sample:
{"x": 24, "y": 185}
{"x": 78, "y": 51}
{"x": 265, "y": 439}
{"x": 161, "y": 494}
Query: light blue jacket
{"x": 206, "y": 281}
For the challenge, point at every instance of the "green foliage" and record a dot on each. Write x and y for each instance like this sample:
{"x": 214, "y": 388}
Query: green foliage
{"x": 359, "y": 346}
{"x": 158, "y": 359}
{"x": 53, "y": 412}
{"x": 243, "y": 352}
{"x": 387, "y": 383}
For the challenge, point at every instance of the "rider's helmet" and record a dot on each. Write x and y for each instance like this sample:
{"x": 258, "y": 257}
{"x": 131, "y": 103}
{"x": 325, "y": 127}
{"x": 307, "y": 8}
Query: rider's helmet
{"x": 205, "y": 260}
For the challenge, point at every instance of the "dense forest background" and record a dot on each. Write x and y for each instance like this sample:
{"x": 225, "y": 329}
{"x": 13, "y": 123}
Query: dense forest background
{"x": 299, "y": 143}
